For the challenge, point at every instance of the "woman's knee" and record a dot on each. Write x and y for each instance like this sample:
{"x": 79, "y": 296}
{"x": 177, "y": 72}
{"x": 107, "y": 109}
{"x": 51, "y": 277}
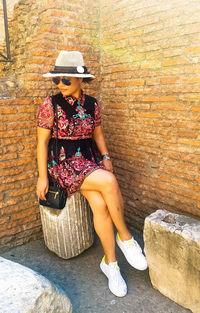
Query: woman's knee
{"x": 110, "y": 183}
{"x": 99, "y": 180}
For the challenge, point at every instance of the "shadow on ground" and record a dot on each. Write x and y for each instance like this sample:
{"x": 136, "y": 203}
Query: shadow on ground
{"x": 85, "y": 284}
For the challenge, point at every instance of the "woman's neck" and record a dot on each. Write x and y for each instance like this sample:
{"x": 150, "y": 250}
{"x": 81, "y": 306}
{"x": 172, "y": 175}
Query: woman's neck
{"x": 77, "y": 94}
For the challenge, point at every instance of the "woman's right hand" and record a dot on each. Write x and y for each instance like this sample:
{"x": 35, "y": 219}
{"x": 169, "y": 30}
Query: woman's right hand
{"x": 42, "y": 187}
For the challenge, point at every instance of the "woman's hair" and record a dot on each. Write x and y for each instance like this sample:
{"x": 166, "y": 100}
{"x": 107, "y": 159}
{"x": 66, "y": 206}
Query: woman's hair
{"x": 87, "y": 80}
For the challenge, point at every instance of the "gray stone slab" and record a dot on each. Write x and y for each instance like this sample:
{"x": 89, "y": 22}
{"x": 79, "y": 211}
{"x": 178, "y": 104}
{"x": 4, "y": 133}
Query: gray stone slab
{"x": 85, "y": 284}
{"x": 23, "y": 290}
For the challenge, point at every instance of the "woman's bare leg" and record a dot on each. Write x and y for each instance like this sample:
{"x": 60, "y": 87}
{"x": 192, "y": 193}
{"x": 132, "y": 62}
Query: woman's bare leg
{"x": 106, "y": 183}
{"x": 102, "y": 222}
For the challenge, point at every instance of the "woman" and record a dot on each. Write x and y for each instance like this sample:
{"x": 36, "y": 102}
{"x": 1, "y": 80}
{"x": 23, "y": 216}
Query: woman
{"x": 80, "y": 167}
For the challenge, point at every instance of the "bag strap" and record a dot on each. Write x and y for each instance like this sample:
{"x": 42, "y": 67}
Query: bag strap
{"x": 56, "y": 115}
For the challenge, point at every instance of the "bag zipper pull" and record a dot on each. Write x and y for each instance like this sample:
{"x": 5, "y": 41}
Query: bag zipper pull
{"x": 56, "y": 193}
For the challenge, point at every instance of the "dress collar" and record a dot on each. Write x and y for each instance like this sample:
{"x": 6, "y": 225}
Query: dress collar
{"x": 71, "y": 99}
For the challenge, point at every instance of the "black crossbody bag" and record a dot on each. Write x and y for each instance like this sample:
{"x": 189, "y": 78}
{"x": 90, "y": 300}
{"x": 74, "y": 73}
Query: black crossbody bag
{"x": 56, "y": 196}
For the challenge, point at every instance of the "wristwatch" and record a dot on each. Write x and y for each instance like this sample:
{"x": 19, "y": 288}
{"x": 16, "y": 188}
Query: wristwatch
{"x": 105, "y": 156}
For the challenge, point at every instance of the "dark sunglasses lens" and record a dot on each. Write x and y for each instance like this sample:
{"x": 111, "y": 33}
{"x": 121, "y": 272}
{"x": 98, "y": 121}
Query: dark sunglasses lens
{"x": 56, "y": 80}
{"x": 66, "y": 81}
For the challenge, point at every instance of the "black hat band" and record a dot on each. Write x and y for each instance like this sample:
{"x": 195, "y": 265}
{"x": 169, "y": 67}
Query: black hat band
{"x": 69, "y": 69}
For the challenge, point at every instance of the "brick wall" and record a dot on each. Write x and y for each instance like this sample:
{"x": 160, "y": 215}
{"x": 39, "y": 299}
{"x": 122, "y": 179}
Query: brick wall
{"x": 38, "y": 30}
{"x": 150, "y": 93}
{"x": 19, "y": 219}
{"x": 146, "y": 58}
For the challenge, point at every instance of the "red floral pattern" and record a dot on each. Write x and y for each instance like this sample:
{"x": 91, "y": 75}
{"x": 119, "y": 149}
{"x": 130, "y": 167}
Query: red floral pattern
{"x": 45, "y": 115}
{"x": 81, "y": 124}
{"x": 77, "y": 156}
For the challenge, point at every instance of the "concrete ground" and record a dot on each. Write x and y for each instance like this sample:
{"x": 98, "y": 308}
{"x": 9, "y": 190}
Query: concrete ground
{"x": 85, "y": 284}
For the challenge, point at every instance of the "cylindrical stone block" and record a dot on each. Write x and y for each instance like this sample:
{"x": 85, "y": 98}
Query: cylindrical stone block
{"x": 68, "y": 232}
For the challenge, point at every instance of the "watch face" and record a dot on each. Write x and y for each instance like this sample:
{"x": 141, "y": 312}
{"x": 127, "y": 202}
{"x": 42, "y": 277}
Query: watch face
{"x": 106, "y": 157}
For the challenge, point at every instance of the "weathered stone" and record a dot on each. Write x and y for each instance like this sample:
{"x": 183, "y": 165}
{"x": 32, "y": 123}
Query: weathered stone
{"x": 10, "y": 84}
{"x": 68, "y": 232}
{"x": 8, "y": 87}
{"x": 23, "y": 290}
{"x": 172, "y": 248}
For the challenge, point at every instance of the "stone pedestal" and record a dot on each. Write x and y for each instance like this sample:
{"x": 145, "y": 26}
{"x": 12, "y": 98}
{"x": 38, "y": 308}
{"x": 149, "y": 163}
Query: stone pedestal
{"x": 172, "y": 248}
{"x": 68, "y": 232}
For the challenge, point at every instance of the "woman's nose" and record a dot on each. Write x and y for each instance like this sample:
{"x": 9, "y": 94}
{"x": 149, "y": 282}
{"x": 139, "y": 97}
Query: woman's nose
{"x": 65, "y": 82}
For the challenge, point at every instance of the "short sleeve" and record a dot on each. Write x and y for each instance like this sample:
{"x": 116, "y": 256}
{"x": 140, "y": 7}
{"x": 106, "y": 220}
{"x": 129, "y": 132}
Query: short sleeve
{"x": 45, "y": 114}
{"x": 97, "y": 114}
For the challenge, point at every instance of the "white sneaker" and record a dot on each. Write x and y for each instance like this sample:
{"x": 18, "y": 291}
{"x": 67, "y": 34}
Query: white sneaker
{"x": 116, "y": 283}
{"x": 133, "y": 253}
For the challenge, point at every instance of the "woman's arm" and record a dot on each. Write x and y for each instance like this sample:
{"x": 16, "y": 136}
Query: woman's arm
{"x": 101, "y": 144}
{"x": 43, "y": 136}
{"x": 100, "y": 140}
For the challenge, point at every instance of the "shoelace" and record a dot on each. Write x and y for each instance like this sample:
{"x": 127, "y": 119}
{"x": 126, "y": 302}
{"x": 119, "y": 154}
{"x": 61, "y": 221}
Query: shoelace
{"x": 114, "y": 269}
{"x": 116, "y": 275}
{"x": 133, "y": 243}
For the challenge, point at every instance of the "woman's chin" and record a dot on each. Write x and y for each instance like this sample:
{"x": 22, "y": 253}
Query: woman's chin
{"x": 65, "y": 93}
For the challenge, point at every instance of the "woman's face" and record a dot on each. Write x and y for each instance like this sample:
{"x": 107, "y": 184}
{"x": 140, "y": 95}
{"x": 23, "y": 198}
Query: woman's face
{"x": 73, "y": 89}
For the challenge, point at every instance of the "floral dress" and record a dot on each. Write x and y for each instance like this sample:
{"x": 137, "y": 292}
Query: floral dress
{"x": 77, "y": 153}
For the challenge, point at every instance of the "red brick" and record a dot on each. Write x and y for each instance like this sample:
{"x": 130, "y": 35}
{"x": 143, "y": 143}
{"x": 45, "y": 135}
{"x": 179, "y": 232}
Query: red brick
{"x": 19, "y": 207}
{"x": 9, "y": 156}
{"x": 27, "y": 109}
{"x": 4, "y": 220}
{"x": 177, "y": 61}
{"x": 32, "y": 225}
{"x": 8, "y": 179}
{"x": 22, "y": 191}
{"x": 10, "y": 134}
{"x": 7, "y": 187}
{"x": 16, "y": 117}
{"x": 11, "y": 231}
{"x": 192, "y": 50}
{"x": 148, "y": 115}
{"x": 189, "y": 142}
{"x": 23, "y": 214}
{"x": 7, "y": 203}
{"x": 195, "y": 109}
{"x": 15, "y": 163}
{"x": 5, "y": 111}
{"x": 2, "y": 127}
{"x": 21, "y": 125}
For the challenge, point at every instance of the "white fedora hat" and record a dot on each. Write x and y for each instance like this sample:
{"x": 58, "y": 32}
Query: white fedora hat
{"x": 69, "y": 63}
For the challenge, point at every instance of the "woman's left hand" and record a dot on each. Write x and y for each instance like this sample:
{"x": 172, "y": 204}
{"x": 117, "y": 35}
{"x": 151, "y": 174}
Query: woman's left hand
{"x": 108, "y": 165}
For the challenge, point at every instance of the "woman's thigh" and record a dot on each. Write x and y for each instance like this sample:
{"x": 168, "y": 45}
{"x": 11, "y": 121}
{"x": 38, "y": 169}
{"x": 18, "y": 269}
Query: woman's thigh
{"x": 99, "y": 180}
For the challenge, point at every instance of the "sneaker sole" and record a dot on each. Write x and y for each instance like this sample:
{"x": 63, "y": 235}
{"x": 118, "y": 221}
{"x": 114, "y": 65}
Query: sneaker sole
{"x": 135, "y": 266}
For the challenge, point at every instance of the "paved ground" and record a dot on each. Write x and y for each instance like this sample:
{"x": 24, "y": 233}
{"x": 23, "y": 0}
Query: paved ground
{"x": 86, "y": 285}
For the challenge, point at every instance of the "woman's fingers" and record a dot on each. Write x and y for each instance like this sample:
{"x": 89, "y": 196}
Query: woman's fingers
{"x": 42, "y": 188}
{"x": 41, "y": 194}
{"x": 109, "y": 168}
{"x": 108, "y": 165}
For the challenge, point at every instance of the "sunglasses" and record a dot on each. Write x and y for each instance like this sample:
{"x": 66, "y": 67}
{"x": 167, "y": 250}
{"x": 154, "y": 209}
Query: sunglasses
{"x": 65, "y": 81}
